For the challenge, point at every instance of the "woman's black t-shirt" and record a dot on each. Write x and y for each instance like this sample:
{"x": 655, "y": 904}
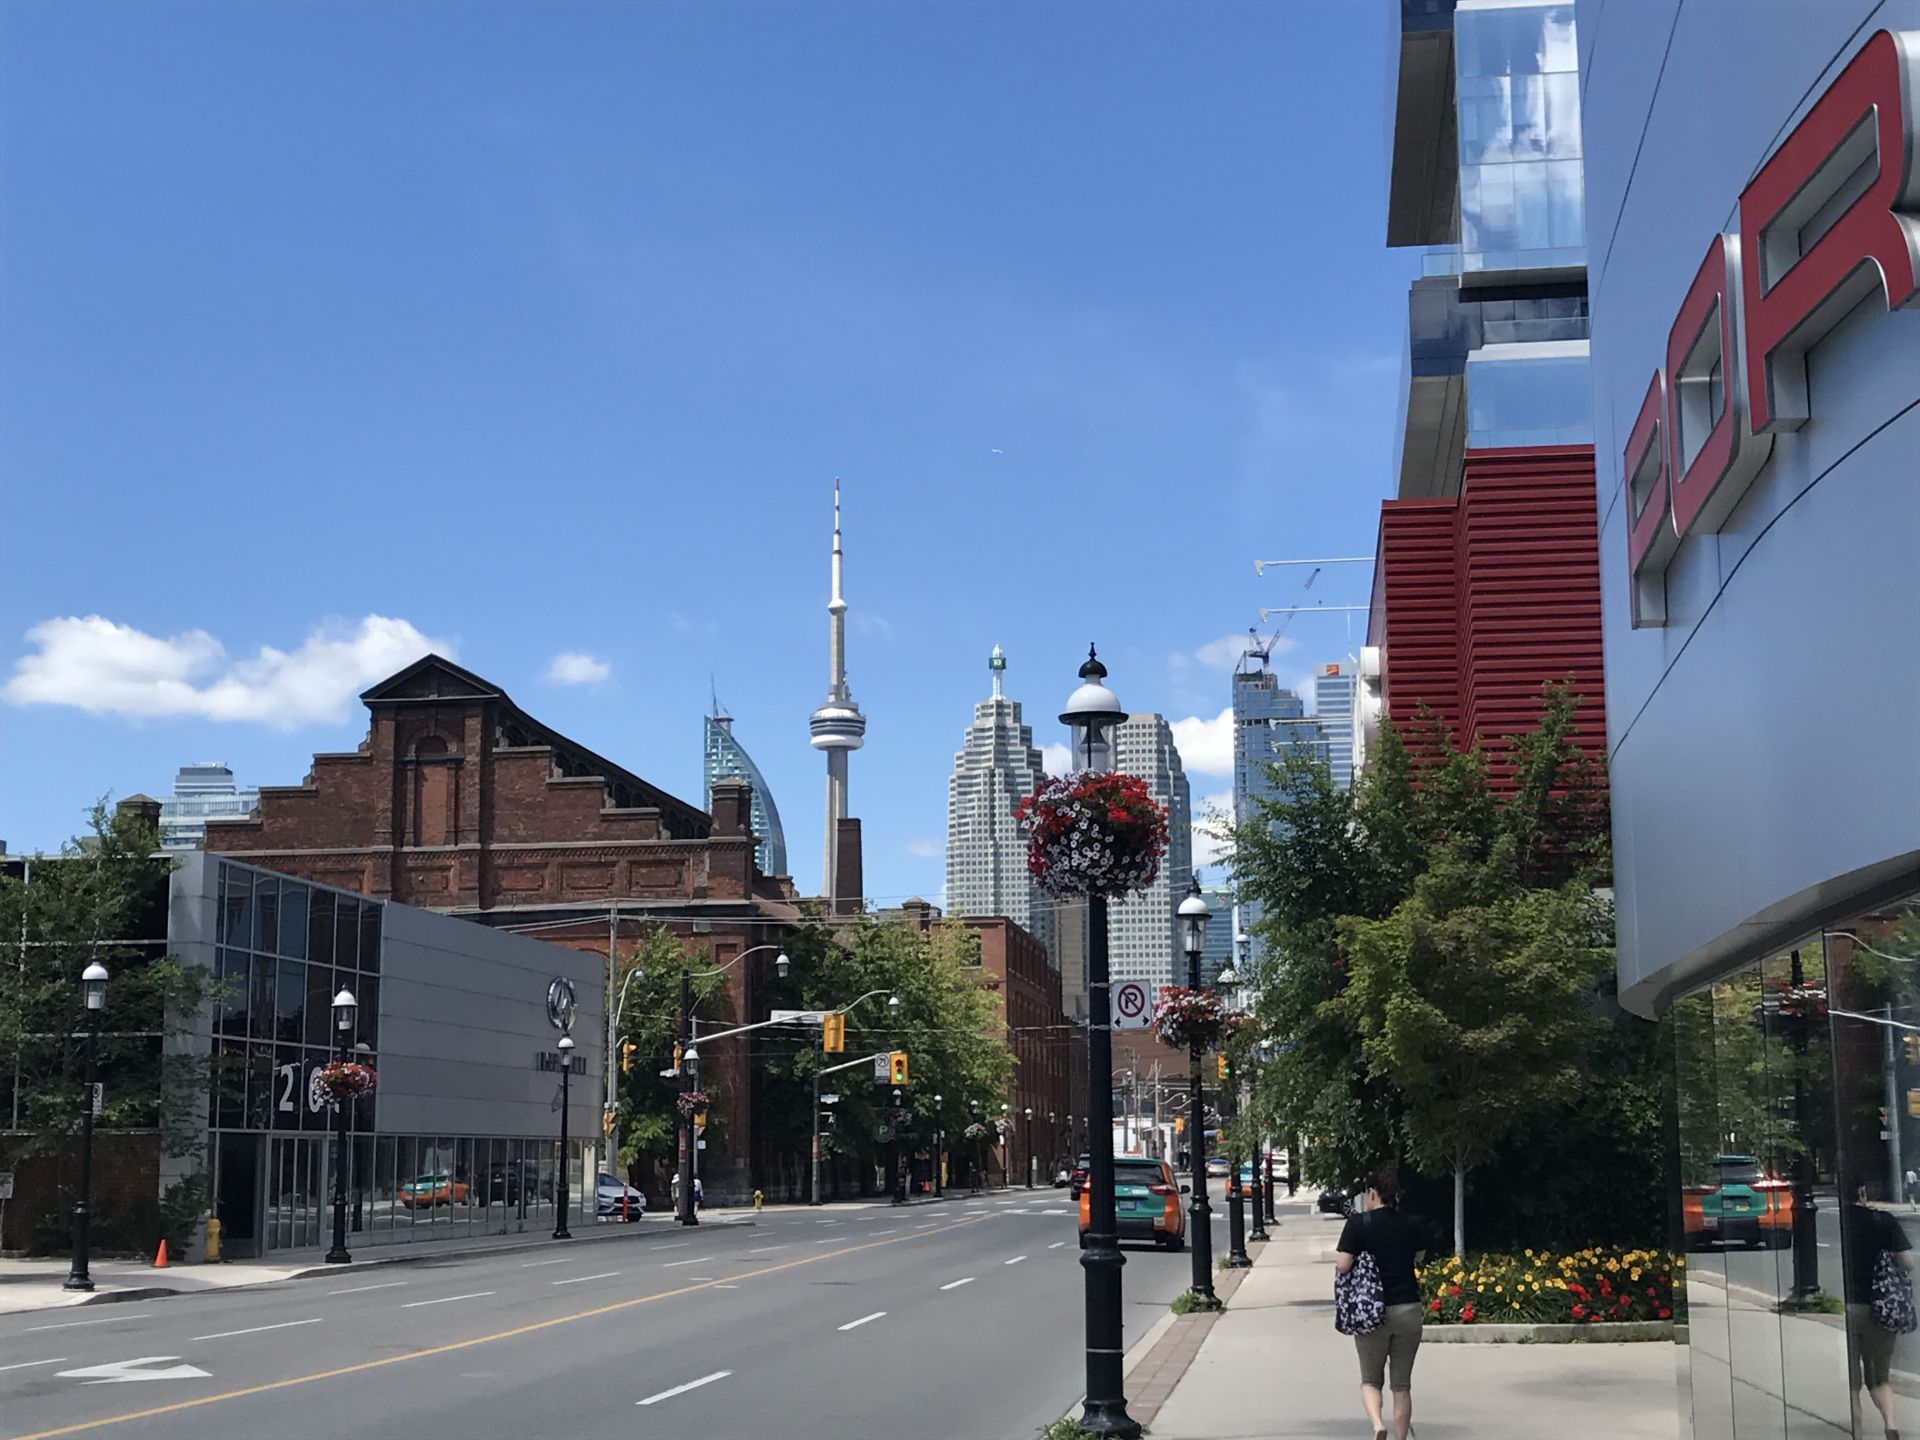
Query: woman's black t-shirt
{"x": 1869, "y": 1232}
{"x": 1393, "y": 1239}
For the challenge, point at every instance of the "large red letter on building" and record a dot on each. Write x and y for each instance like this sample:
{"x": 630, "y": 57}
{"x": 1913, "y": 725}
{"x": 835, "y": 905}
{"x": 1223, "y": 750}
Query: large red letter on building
{"x": 1713, "y": 453}
{"x": 1795, "y": 291}
{"x": 1651, "y": 538}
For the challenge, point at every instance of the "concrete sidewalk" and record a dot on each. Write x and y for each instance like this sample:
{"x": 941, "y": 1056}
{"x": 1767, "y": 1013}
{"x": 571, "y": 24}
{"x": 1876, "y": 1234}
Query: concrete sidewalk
{"x": 1274, "y": 1366}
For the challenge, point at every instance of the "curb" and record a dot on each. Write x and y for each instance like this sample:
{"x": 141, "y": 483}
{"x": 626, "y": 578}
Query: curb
{"x": 420, "y": 1255}
{"x": 1619, "y": 1332}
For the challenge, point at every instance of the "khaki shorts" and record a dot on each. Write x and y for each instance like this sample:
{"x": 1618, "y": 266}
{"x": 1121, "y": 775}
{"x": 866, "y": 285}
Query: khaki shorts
{"x": 1395, "y": 1341}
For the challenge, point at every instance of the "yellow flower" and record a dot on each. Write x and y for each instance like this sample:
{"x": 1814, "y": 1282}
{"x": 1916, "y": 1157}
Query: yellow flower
{"x": 1634, "y": 1274}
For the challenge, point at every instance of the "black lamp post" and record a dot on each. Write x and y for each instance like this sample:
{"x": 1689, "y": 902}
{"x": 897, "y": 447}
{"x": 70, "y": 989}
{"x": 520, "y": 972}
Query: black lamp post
{"x": 345, "y": 1007}
{"x": 565, "y": 1046}
{"x": 1229, "y": 979}
{"x": 1092, "y": 711}
{"x": 939, "y": 1146}
{"x": 93, "y": 990}
{"x": 1028, "y": 1112}
{"x": 689, "y": 1083}
{"x": 1193, "y": 913}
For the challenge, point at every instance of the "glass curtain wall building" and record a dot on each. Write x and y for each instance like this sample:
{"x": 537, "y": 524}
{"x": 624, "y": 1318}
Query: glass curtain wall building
{"x": 724, "y": 758}
{"x": 201, "y": 793}
{"x": 1141, "y": 939}
{"x": 1269, "y": 723}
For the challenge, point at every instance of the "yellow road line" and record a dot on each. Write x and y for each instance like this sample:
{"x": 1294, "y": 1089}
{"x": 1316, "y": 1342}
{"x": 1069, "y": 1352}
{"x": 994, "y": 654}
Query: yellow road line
{"x": 447, "y": 1349}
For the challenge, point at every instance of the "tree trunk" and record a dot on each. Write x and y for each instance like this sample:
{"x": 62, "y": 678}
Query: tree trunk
{"x": 1460, "y": 1209}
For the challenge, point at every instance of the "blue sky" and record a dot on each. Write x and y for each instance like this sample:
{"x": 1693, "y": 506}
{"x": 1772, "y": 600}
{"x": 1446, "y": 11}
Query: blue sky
{"x": 535, "y": 331}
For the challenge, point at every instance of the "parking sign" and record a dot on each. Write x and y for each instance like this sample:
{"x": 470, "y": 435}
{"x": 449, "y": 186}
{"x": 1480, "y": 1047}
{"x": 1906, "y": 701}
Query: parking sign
{"x": 1131, "y": 1007}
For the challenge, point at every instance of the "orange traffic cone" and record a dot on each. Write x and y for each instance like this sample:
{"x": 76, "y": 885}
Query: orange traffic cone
{"x": 160, "y": 1257}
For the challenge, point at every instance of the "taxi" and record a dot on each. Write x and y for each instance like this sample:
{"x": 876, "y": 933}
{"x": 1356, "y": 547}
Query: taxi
{"x": 1146, "y": 1203}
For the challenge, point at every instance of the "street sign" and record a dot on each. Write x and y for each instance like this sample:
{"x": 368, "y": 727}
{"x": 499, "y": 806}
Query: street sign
{"x": 99, "y": 1096}
{"x": 6, "y": 1184}
{"x": 882, "y": 1071}
{"x": 829, "y": 1099}
{"x": 1130, "y": 1006}
{"x": 800, "y": 1017}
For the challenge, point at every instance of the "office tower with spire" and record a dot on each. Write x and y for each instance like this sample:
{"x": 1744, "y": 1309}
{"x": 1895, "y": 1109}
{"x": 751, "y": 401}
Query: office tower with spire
{"x": 996, "y": 766}
{"x": 837, "y": 726}
{"x": 724, "y": 758}
{"x": 1140, "y": 927}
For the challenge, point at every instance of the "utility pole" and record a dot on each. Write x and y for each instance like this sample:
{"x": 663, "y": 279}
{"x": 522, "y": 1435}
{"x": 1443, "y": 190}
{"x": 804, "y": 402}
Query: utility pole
{"x": 819, "y": 1062}
{"x": 686, "y": 1213}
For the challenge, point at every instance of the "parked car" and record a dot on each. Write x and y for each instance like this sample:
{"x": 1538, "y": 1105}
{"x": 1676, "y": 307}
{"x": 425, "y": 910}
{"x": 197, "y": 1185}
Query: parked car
{"x": 1146, "y": 1203}
{"x": 1217, "y": 1166}
{"x": 611, "y": 1198}
{"x": 506, "y": 1183}
{"x": 1740, "y": 1203}
{"x": 1335, "y": 1200}
{"x": 435, "y": 1188}
{"x": 1078, "y": 1181}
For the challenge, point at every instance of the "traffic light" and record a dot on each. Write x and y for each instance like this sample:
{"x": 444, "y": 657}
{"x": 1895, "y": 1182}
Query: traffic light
{"x": 606, "y": 1122}
{"x": 897, "y": 1067}
{"x": 676, "y": 1057}
{"x": 1179, "y": 1124}
{"x": 833, "y": 1034}
{"x": 1912, "y": 1043}
{"x": 1224, "y": 1067}
{"x": 627, "y": 1047}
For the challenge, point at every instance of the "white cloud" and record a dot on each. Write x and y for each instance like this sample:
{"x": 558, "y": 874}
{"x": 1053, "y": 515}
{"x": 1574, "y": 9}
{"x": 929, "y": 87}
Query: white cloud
{"x": 1056, "y": 759}
{"x": 1212, "y": 816}
{"x": 571, "y": 667}
{"x": 926, "y": 849}
{"x": 93, "y": 664}
{"x": 1206, "y": 746}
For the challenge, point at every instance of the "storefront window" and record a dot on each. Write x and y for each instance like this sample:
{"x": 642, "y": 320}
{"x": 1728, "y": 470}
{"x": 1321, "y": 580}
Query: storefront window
{"x": 1798, "y": 1103}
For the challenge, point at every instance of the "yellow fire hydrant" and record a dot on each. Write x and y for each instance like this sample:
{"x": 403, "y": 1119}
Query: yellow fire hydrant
{"x": 212, "y": 1256}
{"x": 759, "y": 1199}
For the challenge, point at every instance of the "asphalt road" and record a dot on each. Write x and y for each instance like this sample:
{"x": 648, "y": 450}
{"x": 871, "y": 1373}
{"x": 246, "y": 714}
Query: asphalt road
{"x": 961, "y": 1319}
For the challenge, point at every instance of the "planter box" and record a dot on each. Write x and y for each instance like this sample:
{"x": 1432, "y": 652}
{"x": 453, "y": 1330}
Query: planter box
{"x": 1569, "y": 1334}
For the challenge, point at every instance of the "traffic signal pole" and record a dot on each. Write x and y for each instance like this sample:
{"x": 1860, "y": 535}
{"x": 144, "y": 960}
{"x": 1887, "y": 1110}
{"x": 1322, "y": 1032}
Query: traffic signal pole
{"x": 819, "y": 1063}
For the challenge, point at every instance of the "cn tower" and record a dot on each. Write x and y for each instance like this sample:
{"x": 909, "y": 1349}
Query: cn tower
{"x": 837, "y": 726}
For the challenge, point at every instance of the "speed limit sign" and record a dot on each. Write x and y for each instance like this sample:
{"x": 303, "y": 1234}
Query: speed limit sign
{"x": 1130, "y": 1007}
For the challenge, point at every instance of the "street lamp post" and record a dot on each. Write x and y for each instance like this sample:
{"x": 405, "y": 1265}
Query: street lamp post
{"x": 565, "y": 1046}
{"x": 939, "y": 1144}
{"x": 1092, "y": 711}
{"x": 1029, "y": 1114}
{"x": 93, "y": 991}
{"x": 1193, "y": 914}
{"x": 344, "y": 1009}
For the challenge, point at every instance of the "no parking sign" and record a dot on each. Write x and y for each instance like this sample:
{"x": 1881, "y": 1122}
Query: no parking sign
{"x": 1131, "y": 1007}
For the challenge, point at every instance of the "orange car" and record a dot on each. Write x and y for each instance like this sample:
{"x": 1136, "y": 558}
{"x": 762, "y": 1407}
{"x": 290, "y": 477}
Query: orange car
{"x": 1146, "y": 1203}
{"x": 437, "y": 1188}
{"x": 1740, "y": 1202}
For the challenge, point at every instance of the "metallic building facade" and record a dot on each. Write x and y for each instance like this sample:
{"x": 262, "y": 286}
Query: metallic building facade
{"x": 723, "y": 757}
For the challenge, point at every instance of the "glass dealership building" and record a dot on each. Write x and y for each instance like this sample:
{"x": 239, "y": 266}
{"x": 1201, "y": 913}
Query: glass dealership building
{"x": 1757, "y": 422}
{"x": 460, "y": 1137}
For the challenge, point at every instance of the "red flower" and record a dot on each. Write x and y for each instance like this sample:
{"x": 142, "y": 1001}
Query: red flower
{"x": 1651, "y": 1294}
{"x": 1664, "y": 1313}
{"x": 1453, "y": 1289}
{"x": 1579, "y": 1312}
{"x": 1434, "y": 1307}
{"x": 1466, "y": 1313}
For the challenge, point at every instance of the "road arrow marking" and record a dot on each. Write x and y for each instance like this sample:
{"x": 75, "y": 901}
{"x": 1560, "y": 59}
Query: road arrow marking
{"x": 120, "y": 1372}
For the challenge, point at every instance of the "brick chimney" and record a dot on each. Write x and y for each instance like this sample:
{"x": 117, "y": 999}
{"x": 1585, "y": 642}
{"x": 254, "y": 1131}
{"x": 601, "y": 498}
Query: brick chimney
{"x": 850, "y": 886}
{"x": 732, "y": 808}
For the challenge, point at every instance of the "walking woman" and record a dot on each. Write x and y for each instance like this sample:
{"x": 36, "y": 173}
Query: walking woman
{"x": 1868, "y": 1233}
{"x": 1397, "y": 1243}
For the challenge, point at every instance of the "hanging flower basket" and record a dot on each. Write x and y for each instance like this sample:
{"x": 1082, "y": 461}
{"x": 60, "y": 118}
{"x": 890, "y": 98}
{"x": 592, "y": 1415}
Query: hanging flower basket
{"x": 1093, "y": 834}
{"x": 1186, "y": 1018}
{"x": 340, "y": 1080}
{"x": 692, "y": 1102}
{"x": 977, "y": 1132}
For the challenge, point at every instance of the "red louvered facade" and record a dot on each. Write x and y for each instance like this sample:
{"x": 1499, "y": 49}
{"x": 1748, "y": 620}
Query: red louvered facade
{"x": 1485, "y": 597}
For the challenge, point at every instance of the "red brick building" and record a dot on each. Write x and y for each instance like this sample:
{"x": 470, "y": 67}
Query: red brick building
{"x": 1481, "y": 598}
{"x": 1049, "y": 1049}
{"x": 460, "y": 801}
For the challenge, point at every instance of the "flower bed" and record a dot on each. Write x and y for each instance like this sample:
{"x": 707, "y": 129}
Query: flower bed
{"x": 1583, "y": 1287}
{"x": 1093, "y": 834}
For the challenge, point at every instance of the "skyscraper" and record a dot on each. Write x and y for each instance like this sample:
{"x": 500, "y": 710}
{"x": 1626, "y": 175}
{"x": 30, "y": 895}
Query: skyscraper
{"x": 995, "y": 766}
{"x": 1140, "y": 928}
{"x": 201, "y": 793}
{"x": 1333, "y": 709}
{"x": 837, "y": 726}
{"x": 724, "y": 758}
{"x": 1269, "y": 722}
